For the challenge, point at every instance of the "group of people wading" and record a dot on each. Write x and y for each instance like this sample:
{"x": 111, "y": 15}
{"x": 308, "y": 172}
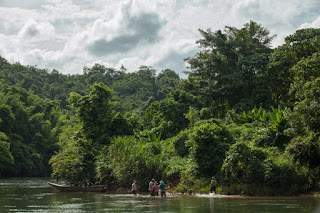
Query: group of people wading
{"x": 155, "y": 187}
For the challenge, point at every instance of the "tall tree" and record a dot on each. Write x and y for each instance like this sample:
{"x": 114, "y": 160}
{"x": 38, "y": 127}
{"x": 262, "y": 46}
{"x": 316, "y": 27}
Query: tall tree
{"x": 299, "y": 46}
{"x": 166, "y": 81}
{"x": 29, "y": 127}
{"x": 95, "y": 112}
{"x": 81, "y": 144}
{"x": 231, "y": 66}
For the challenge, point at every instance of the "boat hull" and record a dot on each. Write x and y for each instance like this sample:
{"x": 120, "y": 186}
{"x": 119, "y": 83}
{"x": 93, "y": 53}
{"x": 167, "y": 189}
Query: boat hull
{"x": 92, "y": 188}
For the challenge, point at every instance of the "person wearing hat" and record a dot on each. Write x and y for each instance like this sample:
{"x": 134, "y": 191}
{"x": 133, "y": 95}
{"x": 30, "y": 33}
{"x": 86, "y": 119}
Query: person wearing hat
{"x": 162, "y": 188}
{"x": 213, "y": 184}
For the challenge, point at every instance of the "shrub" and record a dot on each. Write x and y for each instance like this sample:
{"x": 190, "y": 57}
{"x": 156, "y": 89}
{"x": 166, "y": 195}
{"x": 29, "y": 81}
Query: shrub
{"x": 244, "y": 164}
{"x": 208, "y": 144}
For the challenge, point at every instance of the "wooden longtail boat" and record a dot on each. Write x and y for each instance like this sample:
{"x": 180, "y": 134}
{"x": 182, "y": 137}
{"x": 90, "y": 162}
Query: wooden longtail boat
{"x": 91, "y": 188}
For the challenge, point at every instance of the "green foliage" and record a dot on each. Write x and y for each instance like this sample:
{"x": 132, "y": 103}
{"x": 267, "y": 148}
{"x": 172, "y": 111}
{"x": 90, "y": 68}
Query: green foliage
{"x": 235, "y": 77}
{"x": 255, "y": 131}
{"x": 306, "y": 150}
{"x": 131, "y": 158}
{"x": 284, "y": 176}
{"x": 135, "y": 120}
{"x": 278, "y": 120}
{"x": 307, "y": 69}
{"x": 250, "y": 165}
{"x": 95, "y": 112}
{"x": 74, "y": 162}
{"x": 200, "y": 152}
{"x": 243, "y": 164}
{"x": 192, "y": 184}
{"x": 256, "y": 114}
{"x": 133, "y": 89}
{"x": 275, "y": 122}
{"x": 178, "y": 169}
{"x": 121, "y": 126}
{"x": 81, "y": 145}
{"x": 205, "y": 113}
{"x": 168, "y": 115}
{"x": 166, "y": 82}
{"x": 231, "y": 68}
{"x": 262, "y": 157}
{"x": 208, "y": 144}
{"x": 298, "y": 47}
{"x": 180, "y": 143}
{"x": 6, "y": 158}
{"x": 192, "y": 116}
{"x": 306, "y": 112}
{"x": 305, "y": 117}
{"x": 306, "y": 92}
{"x": 31, "y": 125}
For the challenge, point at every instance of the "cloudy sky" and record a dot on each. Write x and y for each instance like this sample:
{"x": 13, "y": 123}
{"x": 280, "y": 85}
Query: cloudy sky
{"x": 67, "y": 35}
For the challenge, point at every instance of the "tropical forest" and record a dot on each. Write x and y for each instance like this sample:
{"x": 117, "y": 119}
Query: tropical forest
{"x": 246, "y": 113}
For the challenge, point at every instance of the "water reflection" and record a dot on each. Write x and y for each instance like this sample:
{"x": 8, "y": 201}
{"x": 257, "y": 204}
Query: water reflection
{"x": 35, "y": 195}
{"x": 212, "y": 205}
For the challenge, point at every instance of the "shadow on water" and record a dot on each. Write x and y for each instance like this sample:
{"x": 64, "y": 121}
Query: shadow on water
{"x": 35, "y": 195}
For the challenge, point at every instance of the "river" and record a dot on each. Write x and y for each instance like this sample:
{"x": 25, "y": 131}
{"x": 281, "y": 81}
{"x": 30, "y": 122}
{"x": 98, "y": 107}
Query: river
{"x": 35, "y": 195}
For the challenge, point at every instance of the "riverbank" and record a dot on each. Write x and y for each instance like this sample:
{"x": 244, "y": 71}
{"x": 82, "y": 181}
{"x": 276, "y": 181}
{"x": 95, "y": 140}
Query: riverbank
{"x": 243, "y": 190}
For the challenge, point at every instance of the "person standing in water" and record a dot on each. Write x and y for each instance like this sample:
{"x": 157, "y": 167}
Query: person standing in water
{"x": 155, "y": 189}
{"x": 134, "y": 188}
{"x": 162, "y": 188}
{"x": 213, "y": 184}
{"x": 150, "y": 187}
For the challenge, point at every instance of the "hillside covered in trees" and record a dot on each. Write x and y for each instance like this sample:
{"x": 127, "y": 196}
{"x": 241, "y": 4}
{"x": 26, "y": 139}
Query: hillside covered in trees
{"x": 246, "y": 113}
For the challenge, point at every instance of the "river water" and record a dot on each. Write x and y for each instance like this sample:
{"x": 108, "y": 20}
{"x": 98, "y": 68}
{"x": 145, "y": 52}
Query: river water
{"x": 35, "y": 195}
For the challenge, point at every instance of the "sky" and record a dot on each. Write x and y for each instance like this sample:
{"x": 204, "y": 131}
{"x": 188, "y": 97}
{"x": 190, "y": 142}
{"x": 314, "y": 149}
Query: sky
{"x": 67, "y": 35}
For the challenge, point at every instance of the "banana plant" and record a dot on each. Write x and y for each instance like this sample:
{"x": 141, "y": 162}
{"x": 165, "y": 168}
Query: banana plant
{"x": 278, "y": 120}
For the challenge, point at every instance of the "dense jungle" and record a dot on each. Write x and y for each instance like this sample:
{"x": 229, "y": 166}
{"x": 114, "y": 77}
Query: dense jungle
{"x": 246, "y": 113}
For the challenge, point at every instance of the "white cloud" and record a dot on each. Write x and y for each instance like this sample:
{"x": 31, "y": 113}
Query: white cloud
{"x": 30, "y": 4}
{"x": 280, "y": 17}
{"x": 62, "y": 9}
{"x": 125, "y": 32}
{"x": 131, "y": 63}
{"x": 34, "y": 30}
{"x": 12, "y": 19}
{"x": 67, "y": 35}
{"x": 314, "y": 24}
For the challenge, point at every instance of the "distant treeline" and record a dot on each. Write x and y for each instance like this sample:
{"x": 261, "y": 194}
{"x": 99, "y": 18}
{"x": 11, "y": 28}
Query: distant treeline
{"x": 247, "y": 113}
